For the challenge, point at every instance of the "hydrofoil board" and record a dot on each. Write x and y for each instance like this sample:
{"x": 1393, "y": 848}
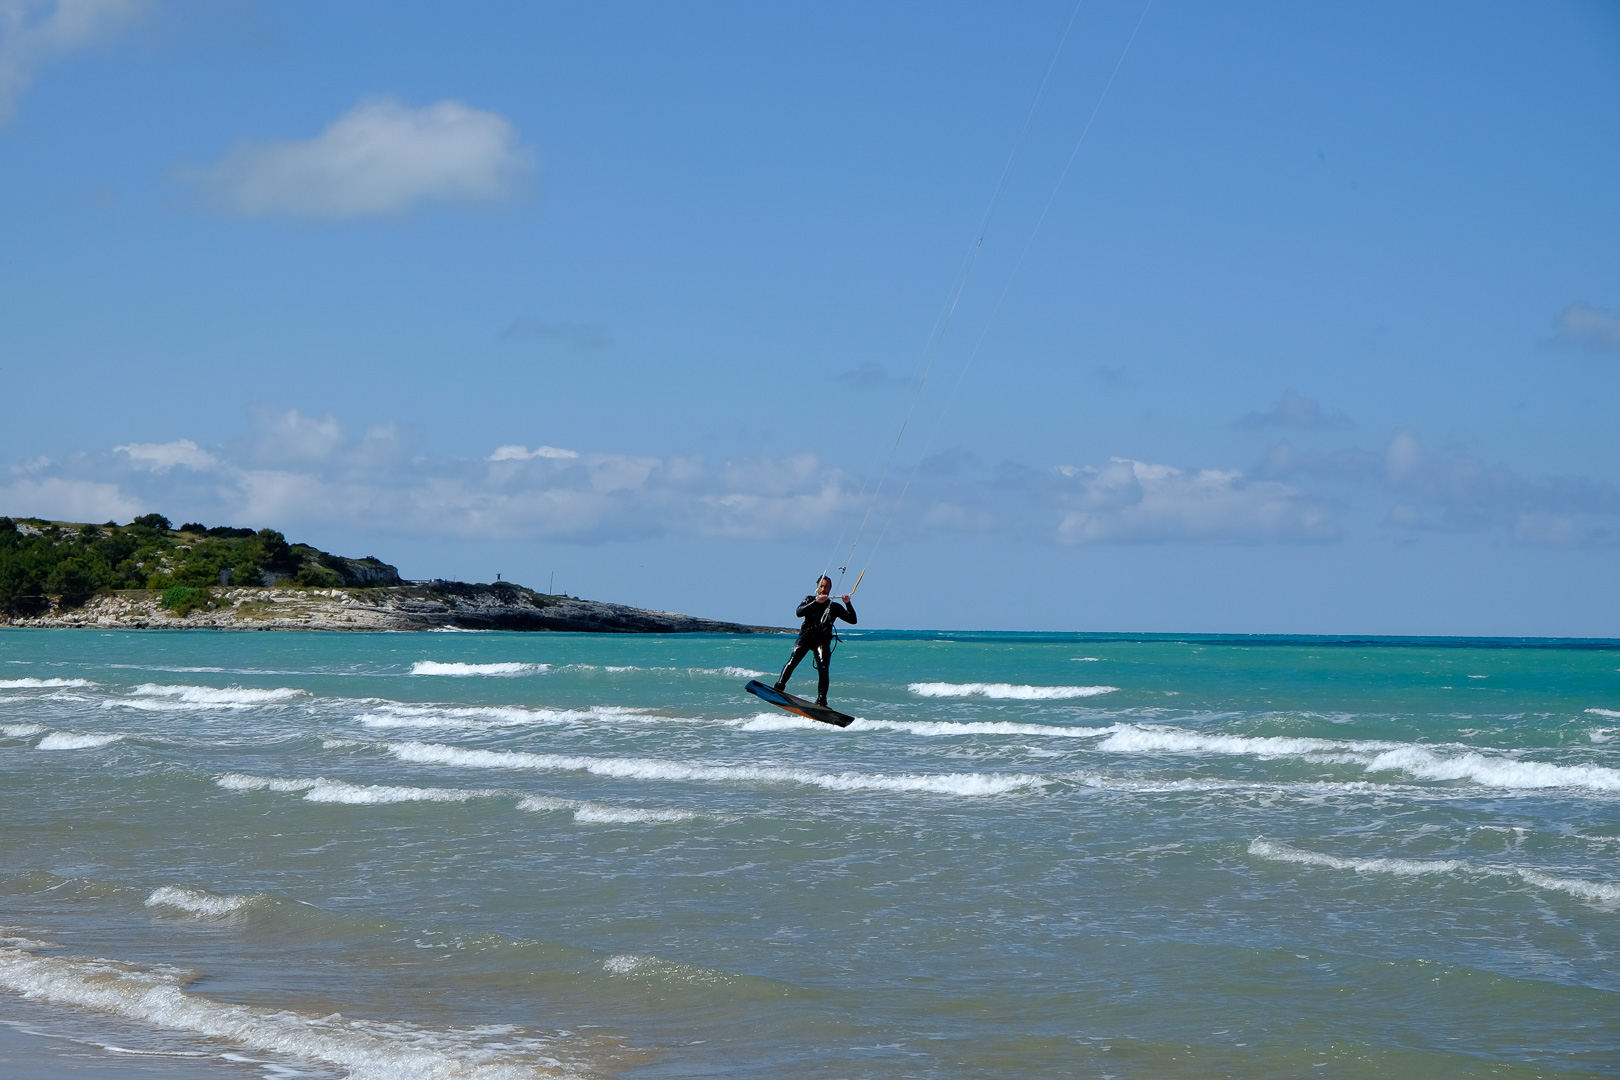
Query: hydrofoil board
{"x": 798, "y": 706}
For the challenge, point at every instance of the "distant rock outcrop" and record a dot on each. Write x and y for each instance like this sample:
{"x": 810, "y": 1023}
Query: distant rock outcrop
{"x": 434, "y": 605}
{"x": 148, "y": 574}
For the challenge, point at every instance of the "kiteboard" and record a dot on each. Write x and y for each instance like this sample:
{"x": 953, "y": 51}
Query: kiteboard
{"x": 797, "y": 705}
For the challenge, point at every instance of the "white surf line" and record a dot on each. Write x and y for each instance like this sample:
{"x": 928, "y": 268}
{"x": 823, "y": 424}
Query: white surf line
{"x": 68, "y": 740}
{"x": 434, "y": 667}
{"x": 1498, "y": 769}
{"x": 967, "y": 784}
{"x": 153, "y": 697}
{"x": 392, "y": 714}
{"x": 728, "y": 672}
{"x": 42, "y": 684}
{"x": 369, "y": 1050}
{"x": 1577, "y": 887}
{"x": 925, "y": 728}
{"x": 203, "y": 904}
{"x": 1007, "y": 691}
{"x": 323, "y": 790}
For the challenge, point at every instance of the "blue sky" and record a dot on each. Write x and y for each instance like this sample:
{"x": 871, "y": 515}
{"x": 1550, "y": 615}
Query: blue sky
{"x": 1317, "y": 330}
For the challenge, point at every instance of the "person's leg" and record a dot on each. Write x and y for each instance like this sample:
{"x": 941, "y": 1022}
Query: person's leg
{"x": 799, "y": 649}
{"x": 823, "y": 672}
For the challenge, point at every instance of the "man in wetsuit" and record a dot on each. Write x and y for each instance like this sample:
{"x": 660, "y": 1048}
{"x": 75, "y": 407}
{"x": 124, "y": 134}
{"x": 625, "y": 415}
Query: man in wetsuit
{"x": 819, "y": 613}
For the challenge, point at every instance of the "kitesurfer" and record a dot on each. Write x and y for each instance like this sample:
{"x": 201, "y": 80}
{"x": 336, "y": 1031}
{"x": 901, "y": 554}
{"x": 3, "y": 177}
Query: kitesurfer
{"x": 819, "y": 613}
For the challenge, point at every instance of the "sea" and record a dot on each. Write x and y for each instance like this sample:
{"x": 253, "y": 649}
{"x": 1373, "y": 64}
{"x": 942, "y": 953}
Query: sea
{"x": 503, "y": 855}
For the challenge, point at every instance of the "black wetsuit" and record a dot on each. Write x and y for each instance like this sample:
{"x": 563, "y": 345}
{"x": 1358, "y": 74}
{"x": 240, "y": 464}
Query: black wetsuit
{"x": 817, "y": 634}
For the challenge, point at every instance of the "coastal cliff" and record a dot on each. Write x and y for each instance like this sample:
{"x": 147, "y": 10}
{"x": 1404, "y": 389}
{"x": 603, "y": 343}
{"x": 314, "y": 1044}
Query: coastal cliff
{"x": 440, "y": 605}
{"x": 148, "y": 575}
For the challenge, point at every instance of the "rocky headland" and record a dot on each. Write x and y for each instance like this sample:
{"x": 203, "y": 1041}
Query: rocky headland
{"x": 438, "y": 605}
{"x": 148, "y": 575}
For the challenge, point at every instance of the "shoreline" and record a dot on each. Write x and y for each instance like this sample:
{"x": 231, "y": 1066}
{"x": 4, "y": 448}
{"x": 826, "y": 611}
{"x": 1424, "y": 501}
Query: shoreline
{"x": 437, "y": 605}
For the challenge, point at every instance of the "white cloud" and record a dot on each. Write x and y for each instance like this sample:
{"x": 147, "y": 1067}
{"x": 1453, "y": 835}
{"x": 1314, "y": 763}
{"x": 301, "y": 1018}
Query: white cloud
{"x": 523, "y": 453}
{"x": 292, "y": 436}
{"x": 1129, "y": 501}
{"x": 1456, "y": 491}
{"x": 56, "y": 498}
{"x": 758, "y": 517}
{"x": 35, "y": 32}
{"x": 161, "y": 457}
{"x": 615, "y": 472}
{"x": 1582, "y": 326}
{"x": 297, "y": 472}
{"x": 380, "y": 157}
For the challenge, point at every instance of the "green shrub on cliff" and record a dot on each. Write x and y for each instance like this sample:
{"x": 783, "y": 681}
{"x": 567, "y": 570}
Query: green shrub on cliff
{"x": 183, "y": 599}
{"x": 40, "y": 560}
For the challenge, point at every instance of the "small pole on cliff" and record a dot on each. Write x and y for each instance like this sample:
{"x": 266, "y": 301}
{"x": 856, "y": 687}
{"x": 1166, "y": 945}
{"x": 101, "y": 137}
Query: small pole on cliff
{"x": 550, "y": 591}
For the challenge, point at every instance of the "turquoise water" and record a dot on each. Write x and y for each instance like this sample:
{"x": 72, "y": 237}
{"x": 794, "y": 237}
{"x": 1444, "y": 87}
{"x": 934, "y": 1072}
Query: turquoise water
{"x": 497, "y": 855}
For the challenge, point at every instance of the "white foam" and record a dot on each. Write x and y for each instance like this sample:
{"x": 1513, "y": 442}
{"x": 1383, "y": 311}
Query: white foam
{"x": 67, "y": 740}
{"x": 244, "y": 782}
{"x": 1495, "y": 772}
{"x": 369, "y": 1050}
{"x": 21, "y": 731}
{"x": 729, "y": 672}
{"x": 152, "y": 697}
{"x": 1586, "y": 890}
{"x": 1007, "y": 691}
{"x": 926, "y": 728}
{"x": 987, "y": 727}
{"x": 969, "y": 784}
{"x": 1610, "y": 713}
{"x": 1266, "y": 849}
{"x": 1133, "y": 738}
{"x": 34, "y": 684}
{"x": 337, "y": 791}
{"x": 433, "y": 667}
{"x": 779, "y": 722}
{"x": 625, "y": 963}
{"x": 628, "y": 964}
{"x": 594, "y": 813}
{"x": 1578, "y": 887}
{"x": 197, "y": 902}
{"x": 490, "y": 716}
{"x": 323, "y": 790}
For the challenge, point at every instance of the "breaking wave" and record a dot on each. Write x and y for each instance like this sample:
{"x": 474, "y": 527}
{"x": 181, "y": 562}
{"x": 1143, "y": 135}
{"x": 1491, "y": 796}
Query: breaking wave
{"x": 654, "y": 967}
{"x": 1610, "y": 713}
{"x": 198, "y": 902}
{"x": 1577, "y": 887}
{"x": 433, "y": 667}
{"x": 67, "y": 740}
{"x": 36, "y": 684}
{"x": 1496, "y": 770}
{"x": 152, "y": 697}
{"x": 323, "y": 790}
{"x": 21, "y": 731}
{"x": 970, "y": 784}
{"x": 475, "y": 717}
{"x": 1007, "y": 691}
{"x": 369, "y": 1050}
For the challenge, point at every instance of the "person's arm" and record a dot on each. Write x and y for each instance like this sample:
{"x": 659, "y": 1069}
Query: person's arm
{"x": 848, "y": 612}
{"x": 805, "y": 606}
